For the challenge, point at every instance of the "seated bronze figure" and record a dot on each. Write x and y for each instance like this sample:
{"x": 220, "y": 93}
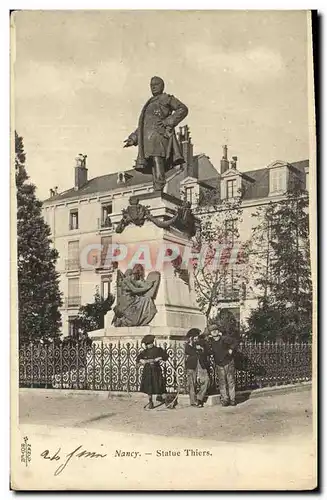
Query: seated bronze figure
{"x": 135, "y": 297}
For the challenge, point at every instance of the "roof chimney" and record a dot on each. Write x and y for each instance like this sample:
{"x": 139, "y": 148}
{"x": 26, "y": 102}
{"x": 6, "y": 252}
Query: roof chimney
{"x": 184, "y": 139}
{"x": 80, "y": 171}
{"x": 224, "y": 163}
{"x": 52, "y": 193}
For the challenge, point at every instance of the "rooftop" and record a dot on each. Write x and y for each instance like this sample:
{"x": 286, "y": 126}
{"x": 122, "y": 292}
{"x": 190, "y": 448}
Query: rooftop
{"x": 206, "y": 174}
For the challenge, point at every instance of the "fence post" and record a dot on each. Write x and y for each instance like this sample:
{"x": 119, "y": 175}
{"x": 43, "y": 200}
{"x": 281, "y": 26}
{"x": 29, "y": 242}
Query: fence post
{"x": 93, "y": 366}
{"x": 78, "y": 344}
{"x": 128, "y": 364}
{"x": 137, "y": 367}
{"x": 102, "y": 367}
{"x": 60, "y": 364}
{"x": 110, "y": 366}
{"x": 119, "y": 365}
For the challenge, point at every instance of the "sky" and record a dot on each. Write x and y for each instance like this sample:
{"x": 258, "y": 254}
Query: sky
{"x": 81, "y": 79}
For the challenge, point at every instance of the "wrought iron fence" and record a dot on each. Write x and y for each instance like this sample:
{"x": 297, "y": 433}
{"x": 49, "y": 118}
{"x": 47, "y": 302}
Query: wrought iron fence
{"x": 113, "y": 367}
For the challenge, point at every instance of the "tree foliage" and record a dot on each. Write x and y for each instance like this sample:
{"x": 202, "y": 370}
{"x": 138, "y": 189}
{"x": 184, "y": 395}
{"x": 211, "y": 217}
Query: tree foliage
{"x": 281, "y": 253}
{"x": 91, "y": 316}
{"x": 219, "y": 272}
{"x": 39, "y": 298}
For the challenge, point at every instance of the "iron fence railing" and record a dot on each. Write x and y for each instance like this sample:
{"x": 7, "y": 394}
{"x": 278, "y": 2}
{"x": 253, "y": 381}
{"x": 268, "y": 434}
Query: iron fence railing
{"x": 113, "y": 367}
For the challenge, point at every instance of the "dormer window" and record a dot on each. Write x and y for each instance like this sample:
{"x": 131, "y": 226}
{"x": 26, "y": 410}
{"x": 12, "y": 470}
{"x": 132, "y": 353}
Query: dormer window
{"x": 123, "y": 177}
{"x": 279, "y": 178}
{"x": 230, "y": 189}
{"x": 190, "y": 190}
{"x": 120, "y": 178}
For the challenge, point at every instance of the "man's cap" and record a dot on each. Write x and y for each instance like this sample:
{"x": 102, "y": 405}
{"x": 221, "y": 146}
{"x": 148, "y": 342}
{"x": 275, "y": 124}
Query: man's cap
{"x": 148, "y": 339}
{"x": 194, "y": 332}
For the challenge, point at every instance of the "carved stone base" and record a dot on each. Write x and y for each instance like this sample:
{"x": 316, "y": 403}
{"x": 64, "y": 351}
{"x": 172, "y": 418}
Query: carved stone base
{"x": 136, "y": 333}
{"x": 177, "y": 309}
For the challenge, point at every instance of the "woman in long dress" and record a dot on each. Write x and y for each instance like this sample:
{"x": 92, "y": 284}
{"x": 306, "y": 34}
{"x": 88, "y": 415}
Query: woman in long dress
{"x": 153, "y": 382}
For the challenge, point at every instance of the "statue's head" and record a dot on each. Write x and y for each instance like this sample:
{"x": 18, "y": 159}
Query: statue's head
{"x": 138, "y": 271}
{"x": 157, "y": 85}
{"x": 128, "y": 273}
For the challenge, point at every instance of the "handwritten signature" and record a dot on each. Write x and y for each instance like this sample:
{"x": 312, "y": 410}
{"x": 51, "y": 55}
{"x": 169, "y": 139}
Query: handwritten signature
{"x": 77, "y": 453}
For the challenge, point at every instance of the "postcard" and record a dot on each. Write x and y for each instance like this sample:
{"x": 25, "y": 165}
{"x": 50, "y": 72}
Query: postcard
{"x": 163, "y": 250}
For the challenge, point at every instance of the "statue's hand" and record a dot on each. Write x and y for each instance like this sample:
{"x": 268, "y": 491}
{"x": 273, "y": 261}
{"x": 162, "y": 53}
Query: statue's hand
{"x": 128, "y": 142}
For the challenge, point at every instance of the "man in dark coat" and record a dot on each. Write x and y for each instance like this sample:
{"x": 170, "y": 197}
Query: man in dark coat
{"x": 223, "y": 342}
{"x": 158, "y": 149}
{"x": 197, "y": 366}
{"x": 152, "y": 379}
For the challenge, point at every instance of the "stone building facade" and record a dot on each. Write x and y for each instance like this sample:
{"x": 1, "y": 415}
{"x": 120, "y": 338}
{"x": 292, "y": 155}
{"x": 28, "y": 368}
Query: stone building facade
{"x": 86, "y": 214}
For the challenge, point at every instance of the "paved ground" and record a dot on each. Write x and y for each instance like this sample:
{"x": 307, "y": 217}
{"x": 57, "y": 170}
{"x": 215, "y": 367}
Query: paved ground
{"x": 265, "y": 419}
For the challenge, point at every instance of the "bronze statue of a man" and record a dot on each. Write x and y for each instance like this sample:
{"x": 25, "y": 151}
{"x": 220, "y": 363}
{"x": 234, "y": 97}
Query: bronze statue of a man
{"x": 158, "y": 149}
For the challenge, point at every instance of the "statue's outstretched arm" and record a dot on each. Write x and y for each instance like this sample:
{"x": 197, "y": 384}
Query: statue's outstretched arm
{"x": 134, "y": 137}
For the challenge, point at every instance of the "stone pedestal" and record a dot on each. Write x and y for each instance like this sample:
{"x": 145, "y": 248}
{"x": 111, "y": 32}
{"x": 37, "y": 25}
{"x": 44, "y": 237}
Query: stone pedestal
{"x": 177, "y": 310}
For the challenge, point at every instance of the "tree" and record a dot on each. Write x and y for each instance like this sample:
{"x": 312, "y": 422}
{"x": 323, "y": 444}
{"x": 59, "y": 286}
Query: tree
{"x": 283, "y": 270}
{"x": 91, "y": 316}
{"x": 219, "y": 271}
{"x": 39, "y": 298}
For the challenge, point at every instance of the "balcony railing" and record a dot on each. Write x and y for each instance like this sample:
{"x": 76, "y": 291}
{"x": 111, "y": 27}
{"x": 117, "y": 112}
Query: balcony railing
{"x": 73, "y": 302}
{"x": 72, "y": 265}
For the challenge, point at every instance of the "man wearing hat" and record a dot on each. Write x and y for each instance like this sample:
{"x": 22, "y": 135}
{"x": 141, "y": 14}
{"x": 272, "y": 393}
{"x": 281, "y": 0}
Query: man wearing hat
{"x": 158, "y": 149}
{"x": 152, "y": 382}
{"x": 197, "y": 366}
{"x": 223, "y": 343}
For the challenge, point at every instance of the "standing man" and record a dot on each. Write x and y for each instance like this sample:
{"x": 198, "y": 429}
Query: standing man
{"x": 197, "y": 366}
{"x": 158, "y": 149}
{"x": 223, "y": 345}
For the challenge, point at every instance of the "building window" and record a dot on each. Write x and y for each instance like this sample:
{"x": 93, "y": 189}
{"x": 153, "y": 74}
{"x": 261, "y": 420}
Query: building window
{"x": 105, "y": 215}
{"x": 230, "y": 231}
{"x": 74, "y": 299}
{"x": 73, "y": 256}
{"x": 73, "y": 219}
{"x": 189, "y": 194}
{"x": 230, "y": 189}
{"x": 120, "y": 178}
{"x": 72, "y": 329}
{"x": 277, "y": 180}
{"x": 106, "y": 241}
{"x": 105, "y": 287}
{"x": 230, "y": 288}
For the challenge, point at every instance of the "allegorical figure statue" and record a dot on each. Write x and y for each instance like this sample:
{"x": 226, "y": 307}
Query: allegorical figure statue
{"x": 135, "y": 297}
{"x": 158, "y": 148}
